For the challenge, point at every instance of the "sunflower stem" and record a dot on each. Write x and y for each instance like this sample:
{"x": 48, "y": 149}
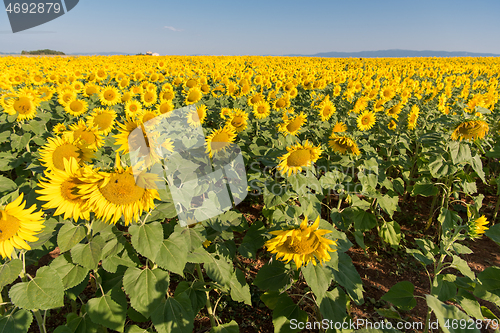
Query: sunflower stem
{"x": 39, "y": 320}
{"x": 207, "y": 304}
{"x": 429, "y": 221}
{"x": 496, "y": 211}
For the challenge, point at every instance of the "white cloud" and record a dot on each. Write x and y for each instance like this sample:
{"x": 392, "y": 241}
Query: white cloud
{"x": 173, "y": 29}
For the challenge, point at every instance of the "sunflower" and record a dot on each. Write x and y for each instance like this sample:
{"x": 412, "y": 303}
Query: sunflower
{"x": 477, "y": 227}
{"x": 88, "y": 136}
{"x": 147, "y": 115}
{"x": 366, "y": 120}
{"x": 193, "y": 95}
{"x": 261, "y": 109}
{"x": 302, "y": 245}
{"x": 18, "y": 225}
{"x": 343, "y": 144}
{"x": 339, "y": 127}
{"x": 65, "y": 96}
{"x": 45, "y": 93}
{"x": 254, "y": 99}
{"x": 149, "y": 98}
{"x": 59, "y": 128}
{"x": 103, "y": 119}
{"x": 132, "y": 107}
{"x": 165, "y": 107}
{"x": 220, "y": 139}
{"x": 292, "y": 126}
{"x": 76, "y": 107}
{"x": 394, "y": 111}
{"x": 298, "y": 156}
{"x": 109, "y": 96}
{"x": 392, "y": 125}
{"x": 60, "y": 190}
{"x": 413, "y": 117}
{"x": 111, "y": 195}
{"x": 470, "y": 130}
{"x": 326, "y": 109}
{"x": 197, "y": 116}
{"x": 24, "y": 105}
{"x": 238, "y": 120}
{"x": 56, "y": 150}
{"x": 167, "y": 95}
{"x": 282, "y": 103}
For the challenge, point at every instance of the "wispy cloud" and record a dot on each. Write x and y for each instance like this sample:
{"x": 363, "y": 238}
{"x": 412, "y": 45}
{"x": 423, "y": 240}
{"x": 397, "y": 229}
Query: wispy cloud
{"x": 173, "y": 29}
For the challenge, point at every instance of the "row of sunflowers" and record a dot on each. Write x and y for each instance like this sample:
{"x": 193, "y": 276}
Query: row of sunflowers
{"x": 336, "y": 142}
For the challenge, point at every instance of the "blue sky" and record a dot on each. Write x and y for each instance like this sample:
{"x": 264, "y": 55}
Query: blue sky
{"x": 263, "y": 27}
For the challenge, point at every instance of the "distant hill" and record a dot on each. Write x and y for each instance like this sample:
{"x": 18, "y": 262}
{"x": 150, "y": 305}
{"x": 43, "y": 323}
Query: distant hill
{"x": 395, "y": 54}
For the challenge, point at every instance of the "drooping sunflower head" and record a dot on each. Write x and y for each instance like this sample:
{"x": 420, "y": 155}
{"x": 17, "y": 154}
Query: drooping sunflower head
{"x": 366, "y": 120}
{"x": 293, "y": 125}
{"x": 477, "y": 227}
{"x": 394, "y": 111}
{"x": 343, "y": 144}
{"x": 56, "y": 150}
{"x": 303, "y": 245}
{"x": 297, "y": 157}
{"x": 339, "y": 127}
{"x": 413, "y": 117}
{"x": 470, "y": 130}
{"x": 18, "y": 226}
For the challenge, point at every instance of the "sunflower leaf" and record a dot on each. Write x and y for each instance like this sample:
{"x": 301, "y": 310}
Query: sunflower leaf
{"x": 240, "y": 291}
{"x": 231, "y": 327}
{"x": 318, "y": 277}
{"x": 174, "y": 315}
{"x": 44, "y": 292}
{"x": 71, "y": 274}
{"x": 147, "y": 239}
{"x": 10, "y": 271}
{"x": 69, "y": 235}
{"x": 104, "y": 311}
{"x": 172, "y": 254}
{"x": 401, "y": 295}
{"x": 286, "y": 310}
{"x": 19, "y": 321}
{"x": 88, "y": 255}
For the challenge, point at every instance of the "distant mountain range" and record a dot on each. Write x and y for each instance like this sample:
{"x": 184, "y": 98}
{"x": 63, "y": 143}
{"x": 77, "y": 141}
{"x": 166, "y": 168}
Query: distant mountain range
{"x": 395, "y": 54}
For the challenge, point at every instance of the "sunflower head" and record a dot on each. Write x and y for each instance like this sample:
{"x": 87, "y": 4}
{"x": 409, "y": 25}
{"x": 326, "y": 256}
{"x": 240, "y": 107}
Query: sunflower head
{"x": 366, "y": 120}
{"x": 18, "y": 226}
{"x": 220, "y": 140}
{"x": 477, "y": 227}
{"x": 343, "y": 144}
{"x": 297, "y": 157}
{"x": 470, "y": 130}
{"x": 303, "y": 244}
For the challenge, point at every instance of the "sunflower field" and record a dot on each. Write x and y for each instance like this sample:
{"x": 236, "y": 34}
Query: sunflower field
{"x": 332, "y": 148}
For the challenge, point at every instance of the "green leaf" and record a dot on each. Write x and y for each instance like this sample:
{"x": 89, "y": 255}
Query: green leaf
{"x": 147, "y": 239}
{"x": 285, "y": 311}
{"x": 240, "y": 291}
{"x": 88, "y": 255}
{"x": 196, "y": 293}
{"x": 364, "y": 221}
{"x": 106, "y": 312}
{"x": 69, "y": 235}
{"x": 253, "y": 240}
{"x": 10, "y": 271}
{"x": 463, "y": 267}
{"x": 401, "y": 295}
{"x": 494, "y": 233}
{"x": 174, "y": 315}
{"x": 18, "y": 322}
{"x": 71, "y": 275}
{"x": 388, "y": 203}
{"x": 390, "y": 232}
{"x": 137, "y": 329}
{"x": 477, "y": 165}
{"x": 173, "y": 253}
{"x": 460, "y": 152}
{"x": 488, "y": 287}
{"x": 448, "y": 219}
{"x": 318, "y": 277}
{"x": 447, "y": 315}
{"x": 446, "y": 288}
{"x": 348, "y": 277}
{"x": 333, "y": 305}
{"x": 425, "y": 189}
{"x": 44, "y": 292}
{"x": 144, "y": 290}
{"x": 272, "y": 276}
{"x": 231, "y": 327}
{"x": 219, "y": 269}
{"x": 6, "y": 185}
{"x": 468, "y": 302}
